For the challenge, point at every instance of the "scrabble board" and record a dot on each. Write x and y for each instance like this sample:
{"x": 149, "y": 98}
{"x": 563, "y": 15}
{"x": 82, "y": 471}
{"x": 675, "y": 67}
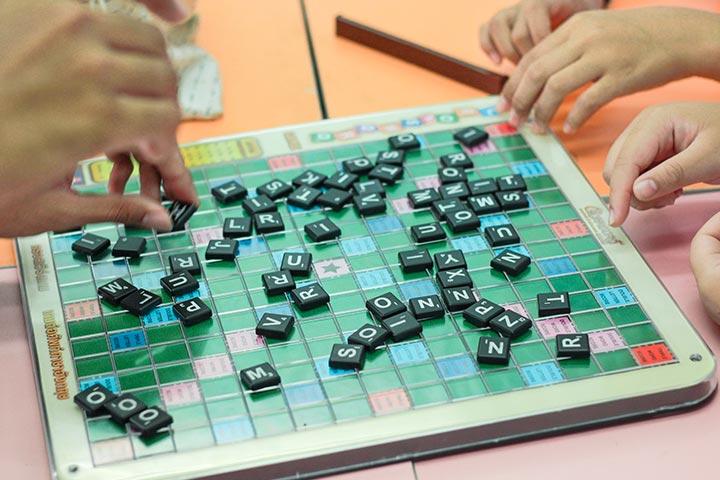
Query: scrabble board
{"x": 425, "y": 395}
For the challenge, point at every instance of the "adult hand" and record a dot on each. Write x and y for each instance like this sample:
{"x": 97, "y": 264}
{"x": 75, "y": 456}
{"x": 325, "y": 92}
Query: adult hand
{"x": 664, "y": 149}
{"x": 74, "y": 83}
{"x": 170, "y": 10}
{"x": 705, "y": 262}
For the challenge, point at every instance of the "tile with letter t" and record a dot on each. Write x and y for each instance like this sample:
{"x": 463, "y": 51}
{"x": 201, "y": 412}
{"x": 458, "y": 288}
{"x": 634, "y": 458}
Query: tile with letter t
{"x": 229, "y": 192}
{"x": 310, "y": 296}
{"x": 345, "y": 356}
{"x": 402, "y": 326}
{"x": 297, "y": 263}
{"x": 494, "y": 351}
{"x": 276, "y": 283}
{"x": 259, "y": 376}
{"x": 388, "y": 174}
{"x": 441, "y": 208}
{"x": 304, "y": 197}
{"x": 511, "y": 182}
{"x": 369, "y": 336}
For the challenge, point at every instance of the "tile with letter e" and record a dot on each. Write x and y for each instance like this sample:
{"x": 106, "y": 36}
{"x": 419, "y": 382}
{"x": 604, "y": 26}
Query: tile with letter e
{"x": 423, "y": 198}
{"x": 510, "y": 324}
{"x": 459, "y": 160}
{"x": 392, "y": 157}
{"x": 180, "y": 213}
{"x": 259, "y": 204}
{"x": 494, "y": 351}
{"x": 402, "y": 326}
{"x": 275, "y": 189}
{"x": 483, "y": 186}
{"x": 179, "y": 283}
{"x": 192, "y": 312}
{"x": 369, "y": 204}
{"x": 276, "y": 283}
{"x": 309, "y": 178}
{"x": 334, "y": 198}
{"x": 91, "y": 245}
{"x": 116, "y": 290}
{"x": 259, "y": 376}
{"x": 93, "y": 399}
{"x": 150, "y": 421}
{"x": 140, "y": 302}
{"x": 428, "y": 232}
{"x": 309, "y": 296}
{"x": 369, "y": 336}
{"x": 304, "y": 197}
{"x": 275, "y": 325}
{"x": 471, "y": 136}
{"x": 221, "y": 250}
{"x": 484, "y": 204}
{"x": 555, "y": 303}
{"x": 384, "y": 306}
{"x": 462, "y": 220}
{"x": 358, "y": 166}
{"x": 510, "y": 262}
{"x": 511, "y": 182}
{"x": 341, "y": 180}
{"x": 501, "y": 235}
{"x": 573, "y": 345}
{"x": 237, "y": 227}
{"x": 129, "y": 247}
{"x": 297, "y": 263}
{"x": 414, "y": 260}
{"x": 456, "y": 277}
{"x": 513, "y": 200}
{"x": 427, "y": 307}
{"x": 322, "y": 230}
{"x": 406, "y": 141}
{"x": 454, "y": 190}
{"x": 268, "y": 222}
{"x": 450, "y": 259}
{"x": 481, "y": 312}
{"x": 370, "y": 186}
{"x": 345, "y": 356}
{"x": 459, "y": 298}
{"x": 229, "y": 192}
{"x": 124, "y": 406}
{"x": 442, "y": 207}
{"x": 451, "y": 175}
{"x": 388, "y": 174}
{"x": 185, "y": 261}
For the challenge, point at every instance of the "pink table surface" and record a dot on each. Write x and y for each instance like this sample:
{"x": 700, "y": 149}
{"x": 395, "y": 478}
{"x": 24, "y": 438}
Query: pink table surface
{"x": 681, "y": 445}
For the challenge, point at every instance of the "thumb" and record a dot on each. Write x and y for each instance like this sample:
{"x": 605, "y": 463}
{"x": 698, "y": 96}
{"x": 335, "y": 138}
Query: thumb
{"x": 138, "y": 211}
{"x": 170, "y": 10}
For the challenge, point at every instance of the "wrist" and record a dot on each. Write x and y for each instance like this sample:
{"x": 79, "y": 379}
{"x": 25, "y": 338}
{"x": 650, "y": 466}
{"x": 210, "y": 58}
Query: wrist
{"x": 704, "y": 53}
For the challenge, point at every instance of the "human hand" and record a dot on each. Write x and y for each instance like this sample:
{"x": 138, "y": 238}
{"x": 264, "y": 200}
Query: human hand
{"x": 74, "y": 83}
{"x": 170, "y": 10}
{"x": 514, "y": 31}
{"x": 705, "y": 262}
{"x": 619, "y": 52}
{"x": 664, "y": 149}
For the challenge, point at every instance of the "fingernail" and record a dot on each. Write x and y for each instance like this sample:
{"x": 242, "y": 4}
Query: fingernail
{"x": 514, "y": 120}
{"x": 568, "y": 129}
{"x": 502, "y": 105}
{"x": 645, "y": 189}
{"x": 158, "y": 220}
{"x": 181, "y": 9}
{"x": 495, "y": 58}
{"x": 611, "y": 216}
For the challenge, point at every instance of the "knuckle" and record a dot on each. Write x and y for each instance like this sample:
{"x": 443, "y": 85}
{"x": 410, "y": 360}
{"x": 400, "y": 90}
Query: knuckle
{"x": 120, "y": 213}
{"x": 75, "y": 18}
{"x": 673, "y": 172}
{"x": 535, "y": 72}
{"x": 555, "y": 86}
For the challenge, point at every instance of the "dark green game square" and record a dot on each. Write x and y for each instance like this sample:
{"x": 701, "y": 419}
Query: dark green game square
{"x": 350, "y": 151}
{"x": 528, "y": 290}
{"x": 501, "y": 295}
{"x": 617, "y": 360}
{"x": 603, "y": 278}
{"x": 252, "y": 166}
{"x": 414, "y": 374}
{"x": 104, "y": 429}
{"x": 257, "y": 179}
{"x": 219, "y": 268}
{"x": 146, "y": 263}
{"x": 401, "y": 276}
{"x": 133, "y": 380}
{"x": 232, "y": 302}
{"x": 319, "y": 328}
{"x": 169, "y": 353}
{"x": 488, "y": 277}
{"x": 417, "y": 217}
{"x": 626, "y": 315}
{"x": 132, "y": 359}
{"x": 415, "y": 156}
{"x": 588, "y": 321}
{"x": 302, "y": 372}
{"x": 393, "y": 240}
{"x": 420, "y": 170}
{"x": 273, "y": 424}
{"x": 503, "y": 380}
{"x": 558, "y": 213}
{"x": 351, "y": 409}
{"x": 348, "y": 302}
{"x": 74, "y": 293}
{"x": 259, "y": 298}
{"x": 434, "y": 138}
{"x": 345, "y": 283}
{"x": 93, "y": 366}
{"x": 530, "y": 353}
{"x": 315, "y": 156}
{"x": 587, "y": 261}
{"x": 540, "y": 182}
{"x": 206, "y": 205}
{"x": 162, "y": 334}
{"x": 203, "y": 329}
{"x": 525, "y": 218}
{"x": 322, "y": 347}
{"x": 188, "y": 416}
{"x": 250, "y": 357}
{"x": 428, "y": 394}
{"x": 548, "y": 197}
{"x": 83, "y": 328}
{"x": 568, "y": 283}
{"x": 343, "y": 387}
{"x": 219, "y": 386}
{"x": 488, "y": 159}
{"x": 351, "y": 322}
{"x": 399, "y": 190}
{"x": 580, "y": 244}
{"x": 514, "y": 141}
{"x": 445, "y": 346}
{"x": 466, "y": 387}
{"x": 90, "y": 346}
{"x": 477, "y": 260}
{"x": 537, "y": 233}
{"x": 578, "y": 367}
{"x": 226, "y": 407}
{"x": 282, "y": 240}
{"x": 225, "y": 285}
{"x": 350, "y": 230}
{"x": 312, "y": 416}
{"x": 371, "y": 148}
{"x": 366, "y": 261}
{"x": 583, "y": 301}
{"x": 378, "y": 360}
{"x": 637, "y": 334}
{"x": 446, "y": 150}
{"x": 74, "y": 275}
{"x": 496, "y": 171}
{"x": 286, "y": 353}
{"x": 324, "y": 251}
{"x": 438, "y": 327}
{"x": 380, "y": 381}
{"x": 344, "y": 215}
{"x": 265, "y": 402}
{"x": 548, "y": 249}
{"x": 238, "y": 321}
{"x": 175, "y": 373}
{"x": 220, "y": 171}
{"x": 208, "y": 347}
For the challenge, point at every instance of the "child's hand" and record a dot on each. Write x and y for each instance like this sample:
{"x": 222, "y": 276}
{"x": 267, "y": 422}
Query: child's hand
{"x": 705, "y": 262}
{"x": 619, "y": 52}
{"x": 72, "y": 84}
{"x": 664, "y": 149}
{"x": 514, "y": 31}
{"x": 170, "y": 10}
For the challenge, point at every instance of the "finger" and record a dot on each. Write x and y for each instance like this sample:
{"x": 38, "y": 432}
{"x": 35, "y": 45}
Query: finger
{"x": 590, "y": 101}
{"x": 488, "y": 46}
{"x": 134, "y": 74}
{"x": 557, "y": 87}
{"x": 614, "y": 150}
{"x": 121, "y": 32}
{"x": 120, "y": 173}
{"x": 500, "y": 28}
{"x": 520, "y": 36}
{"x": 149, "y": 181}
{"x": 661, "y": 202}
{"x": 538, "y": 21}
{"x": 705, "y": 262}
{"x": 69, "y": 209}
{"x": 170, "y": 10}
{"x": 176, "y": 178}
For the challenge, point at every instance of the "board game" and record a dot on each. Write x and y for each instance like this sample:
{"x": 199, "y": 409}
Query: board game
{"x": 432, "y": 390}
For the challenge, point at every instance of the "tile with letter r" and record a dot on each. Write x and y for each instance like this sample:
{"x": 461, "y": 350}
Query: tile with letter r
{"x": 615, "y": 296}
{"x": 605, "y": 341}
{"x": 180, "y": 393}
{"x": 529, "y": 169}
{"x": 358, "y": 246}
{"x": 390, "y": 401}
{"x": 469, "y": 244}
{"x": 407, "y": 353}
{"x": 127, "y": 340}
{"x": 228, "y": 431}
{"x": 384, "y": 224}
{"x": 304, "y": 394}
{"x": 160, "y": 315}
{"x": 251, "y": 246}
{"x": 569, "y": 229}
{"x": 541, "y": 374}
{"x": 417, "y": 288}
{"x": 551, "y": 327}
{"x": 457, "y": 366}
{"x": 557, "y": 266}
{"x": 332, "y": 268}
{"x": 402, "y": 205}
{"x": 108, "y": 381}
{"x": 379, "y": 277}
